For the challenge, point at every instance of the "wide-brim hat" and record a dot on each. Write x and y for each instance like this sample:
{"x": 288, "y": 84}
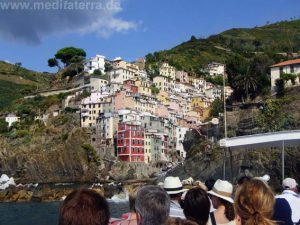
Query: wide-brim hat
{"x": 173, "y": 185}
{"x": 222, "y": 189}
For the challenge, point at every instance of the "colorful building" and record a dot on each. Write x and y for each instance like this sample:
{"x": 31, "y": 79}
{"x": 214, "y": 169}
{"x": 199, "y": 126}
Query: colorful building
{"x": 130, "y": 142}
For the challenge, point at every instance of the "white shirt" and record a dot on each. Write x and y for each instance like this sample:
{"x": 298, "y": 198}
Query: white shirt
{"x": 176, "y": 210}
{"x": 294, "y": 202}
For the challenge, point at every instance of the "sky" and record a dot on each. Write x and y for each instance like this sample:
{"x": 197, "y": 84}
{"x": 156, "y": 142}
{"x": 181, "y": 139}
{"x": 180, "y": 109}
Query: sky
{"x": 123, "y": 28}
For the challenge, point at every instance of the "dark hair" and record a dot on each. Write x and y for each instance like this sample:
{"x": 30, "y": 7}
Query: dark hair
{"x": 196, "y": 206}
{"x": 229, "y": 209}
{"x": 153, "y": 205}
{"x": 83, "y": 207}
{"x": 243, "y": 179}
{"x": 210, "y": 183}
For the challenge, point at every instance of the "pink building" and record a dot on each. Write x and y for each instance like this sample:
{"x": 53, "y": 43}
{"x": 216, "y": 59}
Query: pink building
{"x": 162, "y": 111}
{"x": 124, "y": 100}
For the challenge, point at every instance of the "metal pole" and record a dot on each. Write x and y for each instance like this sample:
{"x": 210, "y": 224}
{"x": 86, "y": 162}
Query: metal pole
{"x": 224, "y": 165}
{"x": 224, "y": 99}
{"x": 282, "y": 160}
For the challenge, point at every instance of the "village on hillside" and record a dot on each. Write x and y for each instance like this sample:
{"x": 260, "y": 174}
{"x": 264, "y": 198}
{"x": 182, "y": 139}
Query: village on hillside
{"x": 136, "y": 119}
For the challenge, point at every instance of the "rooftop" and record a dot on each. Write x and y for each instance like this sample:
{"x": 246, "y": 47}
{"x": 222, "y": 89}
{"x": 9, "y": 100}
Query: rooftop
{"x": 286, "y": 63}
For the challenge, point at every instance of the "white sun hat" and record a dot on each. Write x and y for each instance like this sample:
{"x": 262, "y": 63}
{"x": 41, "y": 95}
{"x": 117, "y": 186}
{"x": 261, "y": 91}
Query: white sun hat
{"x": 289, "y": 183}
{"x": 173, "y": 185}
{"x": 222, "y": 189}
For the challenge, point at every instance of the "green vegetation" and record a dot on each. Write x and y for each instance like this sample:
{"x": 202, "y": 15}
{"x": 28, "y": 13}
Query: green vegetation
{"x": 288, "y": 77}
{"x": 154, "y": 90}
{"x": 253, "y": 50}
{"x": 273, "y": 117}
{"x": 11, "y": 91}
{"x": 3, "y": 126}
{"x": 217, "y": 108}
{"x": 17, "y": 82}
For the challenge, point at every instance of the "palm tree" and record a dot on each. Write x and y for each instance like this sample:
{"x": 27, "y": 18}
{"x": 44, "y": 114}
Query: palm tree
{"x": 246, "y": 83}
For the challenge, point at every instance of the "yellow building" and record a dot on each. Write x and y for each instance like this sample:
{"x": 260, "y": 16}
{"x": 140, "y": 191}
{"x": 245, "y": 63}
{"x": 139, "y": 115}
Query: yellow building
{"x": 143, "y": 87}
{"x": 198, "y": 101}
{"x": 163, "y": 97}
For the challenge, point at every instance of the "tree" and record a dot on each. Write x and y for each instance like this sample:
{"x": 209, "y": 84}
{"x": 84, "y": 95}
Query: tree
{"x": 107, "y": 67}
{"x": 97, "y": 72}
{"x": 18, "y": 66}
{"x": 217, "y": 108}
{"x": 77, "y": 63}
{"x": 52, "y": 62}
{"x": 67, "y": 56}
{"x": 154, "y": 90}
{"x": 280, "y": 88}
{"x": 288, "y": 77}
{"x": 273, "y": 117}
{"x": 3, "y": 126}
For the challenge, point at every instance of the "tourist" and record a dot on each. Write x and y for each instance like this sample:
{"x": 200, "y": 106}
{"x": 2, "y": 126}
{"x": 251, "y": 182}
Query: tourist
{"x": 209, "y": 183}
{"x": 128, "y": 218}
{"x": 242, "y": 180}
{"x": 179, "y": 221}
{"x": 282, "y": 212}
{"x": 152, "y": 206}
{"x": 221, "y": 197}
{"x": 83, "y": 207}
{"x": 291, "y": 194}
{"x": 254, "y": 203}
{"x": 197, "y": 206}
{"x": 174, "y": 188}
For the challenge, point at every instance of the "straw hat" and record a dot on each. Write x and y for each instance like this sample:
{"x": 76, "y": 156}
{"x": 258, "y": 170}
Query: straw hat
{"x": 222, "y": 189}
{"x": 173, "y": 185}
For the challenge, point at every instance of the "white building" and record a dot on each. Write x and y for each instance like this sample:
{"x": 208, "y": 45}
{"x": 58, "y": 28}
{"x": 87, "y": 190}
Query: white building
{"x": 11, "y": 118}
{"x": 93, "y": 106}
{"x": 105, "y": 126}
{"x": 119, "y": 75}
{"x": 95, "y": 63}
{"x": 215, "y": 69}
{"x": 180, "y": 134}
{"x": 98, "y": 85}
{"x": 167, "y": 71}
{"x": 290, "y": 66}
{"x": 164, "y": 83}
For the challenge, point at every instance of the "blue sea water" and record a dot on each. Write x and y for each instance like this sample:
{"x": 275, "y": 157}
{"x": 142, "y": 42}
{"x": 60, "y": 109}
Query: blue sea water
{"x": 43, "y": 213}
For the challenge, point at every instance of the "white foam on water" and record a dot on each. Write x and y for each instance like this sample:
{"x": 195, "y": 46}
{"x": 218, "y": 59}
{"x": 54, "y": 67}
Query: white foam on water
{"x": 5, "y": 182}
{"x": 122, "y": 197}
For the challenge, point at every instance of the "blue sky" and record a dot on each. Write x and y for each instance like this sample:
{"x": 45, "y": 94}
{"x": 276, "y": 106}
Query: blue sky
{"x": 142, "y": 26}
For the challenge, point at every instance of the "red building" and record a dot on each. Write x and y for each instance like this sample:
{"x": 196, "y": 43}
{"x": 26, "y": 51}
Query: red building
{"x": 130, "y": 142}
{"x": 129, "y": 85}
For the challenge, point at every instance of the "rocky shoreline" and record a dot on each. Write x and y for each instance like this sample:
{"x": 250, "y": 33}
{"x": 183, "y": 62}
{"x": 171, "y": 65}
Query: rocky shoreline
{"x": 57, "y": 192}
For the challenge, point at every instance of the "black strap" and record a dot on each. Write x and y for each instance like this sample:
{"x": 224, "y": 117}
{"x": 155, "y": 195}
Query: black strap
{"x": 212, "y": 218}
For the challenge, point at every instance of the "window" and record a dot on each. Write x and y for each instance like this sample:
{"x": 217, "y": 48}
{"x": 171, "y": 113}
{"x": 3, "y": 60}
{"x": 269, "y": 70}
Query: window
{"x": 281, "y": 70}
{"x": 292, "y": 69}
{"x": 133, "y": 142}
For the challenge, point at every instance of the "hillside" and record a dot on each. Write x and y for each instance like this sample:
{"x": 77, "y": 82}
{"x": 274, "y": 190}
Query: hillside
{"x": 272, "y": 40}
{"x": 16, "y": 82}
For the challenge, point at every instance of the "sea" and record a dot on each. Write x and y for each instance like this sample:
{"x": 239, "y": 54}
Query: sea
{"x": 32, "y": 213}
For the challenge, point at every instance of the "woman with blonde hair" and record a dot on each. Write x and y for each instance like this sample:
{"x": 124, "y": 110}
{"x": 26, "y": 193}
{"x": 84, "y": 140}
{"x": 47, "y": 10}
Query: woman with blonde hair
{"x": 254, "y": 203}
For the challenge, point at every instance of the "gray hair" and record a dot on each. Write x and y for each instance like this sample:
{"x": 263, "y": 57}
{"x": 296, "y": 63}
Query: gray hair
{"x": 153, "y": 204}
